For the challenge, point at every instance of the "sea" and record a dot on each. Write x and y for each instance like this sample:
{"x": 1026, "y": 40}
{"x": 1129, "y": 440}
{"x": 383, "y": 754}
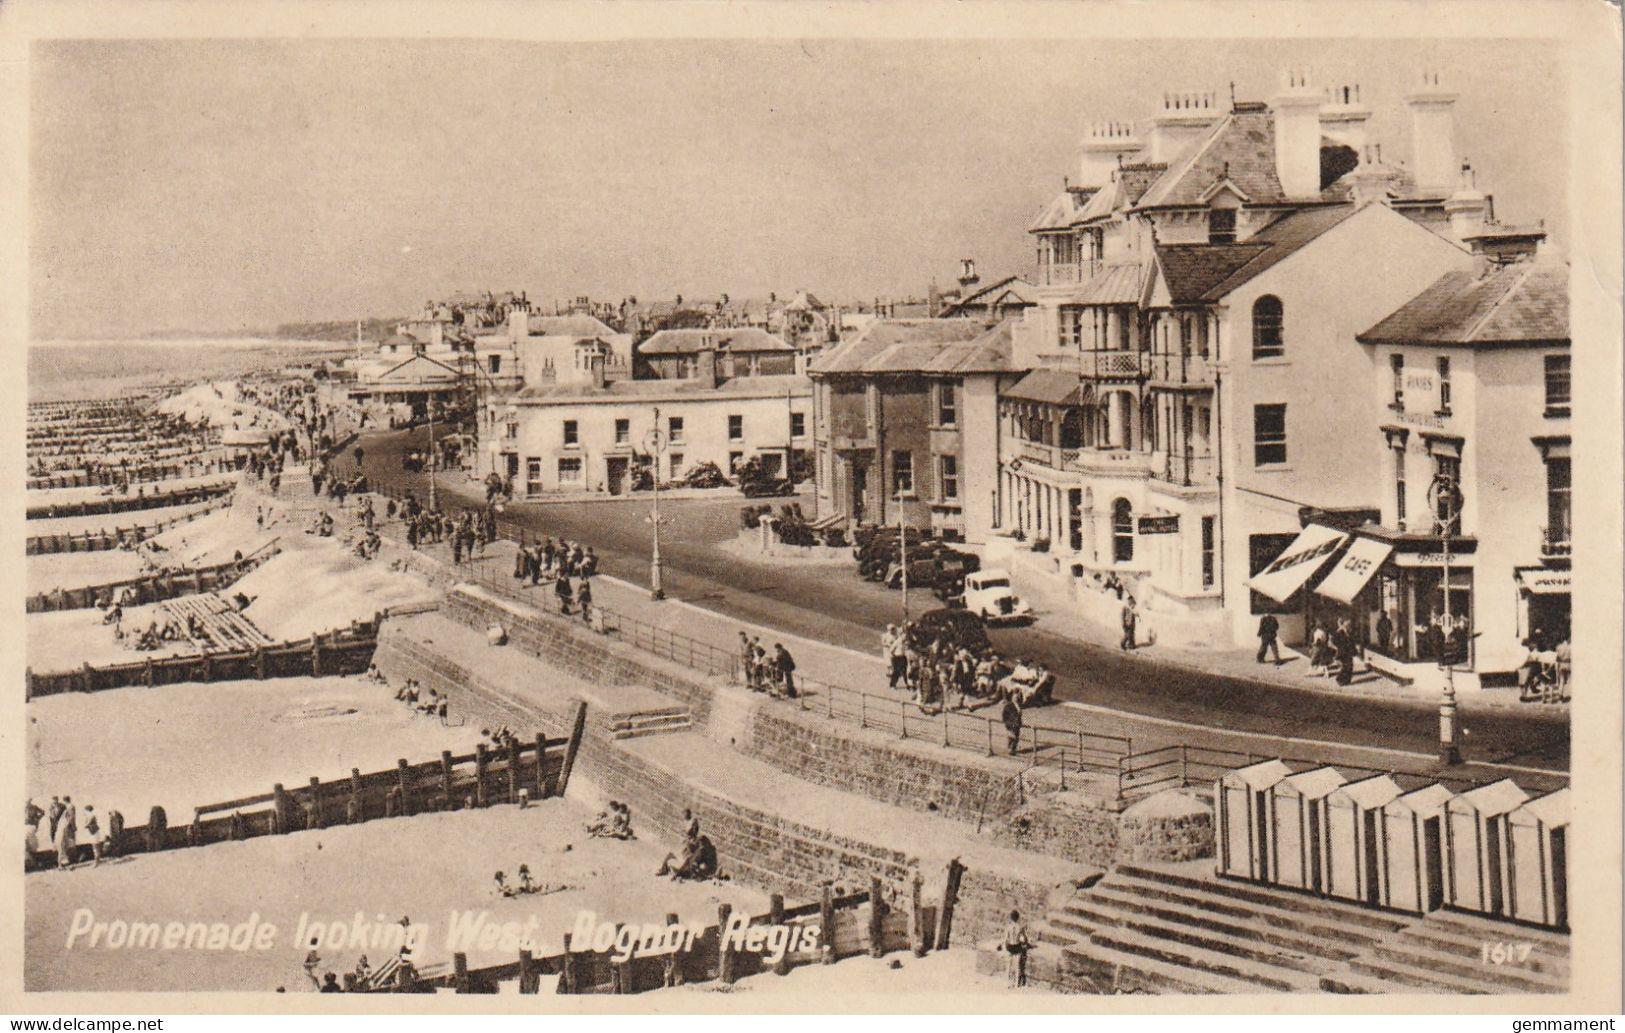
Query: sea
{"x": 62, "y": 370}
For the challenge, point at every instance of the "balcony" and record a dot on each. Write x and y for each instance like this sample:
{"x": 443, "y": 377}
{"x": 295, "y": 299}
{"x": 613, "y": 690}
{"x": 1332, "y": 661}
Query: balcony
{"x": 1185, "y": 471}
{"x": 1111, "y": 461}
{"x": 1554, "y": 542}
{"x": 1055, "y": 274}
{"x": 1174, "y": 370}
{"x": 1113, "y": 365}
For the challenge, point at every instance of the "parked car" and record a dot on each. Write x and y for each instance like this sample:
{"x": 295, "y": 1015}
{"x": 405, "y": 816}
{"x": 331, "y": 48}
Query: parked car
{"x": 766, "y": 489}
{"x": 988, "y": 595}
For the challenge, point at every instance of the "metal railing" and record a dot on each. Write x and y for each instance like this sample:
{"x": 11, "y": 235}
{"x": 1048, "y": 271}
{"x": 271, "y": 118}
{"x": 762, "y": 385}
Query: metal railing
{"x": 1555, "y": 541}
{"x": 1179, "y": 368}
{"x": 1061, "y": 750}
{"x": 1113, "y": 363}
{"x": 1184, "y": 470}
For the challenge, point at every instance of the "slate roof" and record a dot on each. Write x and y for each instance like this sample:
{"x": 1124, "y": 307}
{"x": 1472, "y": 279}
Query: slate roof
{"x": 733, "y": 339}
{"x": 578, "y": 325}
{"x": 770, "y": 386}
{"x": 1207, "y": 272}
{"x": 1011, "y": 287}
{"x": 1047, "y": 386}
{"x": 1239, "y": 147}
{"x": 1063, "y": 211}
{"x": 920, "y": 346}
{"x": 1505, "y": 304}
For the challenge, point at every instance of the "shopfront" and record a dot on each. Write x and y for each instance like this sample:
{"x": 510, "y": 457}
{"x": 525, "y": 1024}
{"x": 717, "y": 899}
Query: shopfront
{"x": 1391, "y": 589}
{"x": 1545, "y": 605}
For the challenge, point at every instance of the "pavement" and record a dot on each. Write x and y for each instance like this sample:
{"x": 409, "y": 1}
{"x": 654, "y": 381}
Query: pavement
{"x": 832, "y": 621}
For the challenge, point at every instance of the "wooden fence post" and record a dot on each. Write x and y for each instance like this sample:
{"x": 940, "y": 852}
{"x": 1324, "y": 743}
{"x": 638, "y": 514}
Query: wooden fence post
{"x": 528, "y": 983}
{"x": 459, "y": 962}
{"x": 355, "y": 811}
{"x": 826, "y": 924}
{"x": 725, "y": 951}
{"x": 567, "y": 975}
{"x": 541, "y": 765}
{"x": 259, "y": 662}
{"x": 446, "y": 779}
{"x": 918, "y": 935}
{"x": 950, "y": 896}
{"x": 404, "y": 781}
{"x": 315, "y": 654}
{"x": 578, "y": 728}
{"x": 513, "y": 770}
{"x": 775, "y": 911}
{"x": 280, "y": 809}
{"x": 316, "y": 803}
{"x": 482, "y": 760}
{"x": 877, "y": 915}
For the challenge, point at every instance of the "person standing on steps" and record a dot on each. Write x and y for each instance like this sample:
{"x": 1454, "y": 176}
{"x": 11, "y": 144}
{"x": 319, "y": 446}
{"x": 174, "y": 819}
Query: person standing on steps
{"x": 1016, "y": 945}
{"x": 1130, "y": 618}
{"x": 1269, "y": 631}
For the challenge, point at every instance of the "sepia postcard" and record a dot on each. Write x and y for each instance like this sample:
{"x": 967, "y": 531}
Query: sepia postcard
{"x": 814, "y": 508}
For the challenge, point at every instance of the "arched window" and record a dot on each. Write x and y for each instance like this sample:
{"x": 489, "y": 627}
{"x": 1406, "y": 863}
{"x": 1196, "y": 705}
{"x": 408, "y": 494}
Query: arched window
{"x": 1267, "y": 343}
{"x": 1122, "y": 531}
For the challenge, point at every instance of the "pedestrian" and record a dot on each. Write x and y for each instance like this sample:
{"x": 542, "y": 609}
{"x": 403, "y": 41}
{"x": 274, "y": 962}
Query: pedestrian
{"x": 67, "y": 833}
{"x": 584, "y": 598}
{"x": 55, "y": 814}
{"x": 1345, "y": 646}
{"x": 744, "y": 657}
{"x": 895, "y": 646}
{"x": 561, "y": 588}
{"x": 1130, "y": 618}
{"x": 1320, "y": 653}
{"x": 1016, "y": 946}
{"x": 1011, "y": 716}
{"x": 1269, "y": 629}
{"x": 313, "y": 961}
{"x": 786, "y": 666}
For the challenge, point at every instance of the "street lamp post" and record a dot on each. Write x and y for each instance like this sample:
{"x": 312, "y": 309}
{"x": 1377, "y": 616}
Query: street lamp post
{"x": 902, "y": 553}
{"x": 656, "y": 443}
{"x": 432, "y": 462}
{"x": 1447, "y": 508}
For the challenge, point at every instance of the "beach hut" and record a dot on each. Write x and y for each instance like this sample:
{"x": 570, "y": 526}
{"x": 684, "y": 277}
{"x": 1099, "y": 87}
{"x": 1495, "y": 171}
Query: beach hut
{"x": 1475, "y": 846}
{"x": 1349, "y": 854}
{"x": 1410, "y": 848}
{"x": 1538, "y": 856}
{"x": 1296, "y": 806}
{"x": 1240, "y": 797}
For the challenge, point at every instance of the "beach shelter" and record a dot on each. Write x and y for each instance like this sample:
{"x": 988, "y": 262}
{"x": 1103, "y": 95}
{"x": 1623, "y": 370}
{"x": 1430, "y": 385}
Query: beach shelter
{"x": 1410, "y": 850}
{"x": 1240, "y": 797}
{"x": 1538, "y": 857}
{"x": 1475, "y": 846}
{"x": 1350, "y": 863}
{"x": 1296, "y": 810}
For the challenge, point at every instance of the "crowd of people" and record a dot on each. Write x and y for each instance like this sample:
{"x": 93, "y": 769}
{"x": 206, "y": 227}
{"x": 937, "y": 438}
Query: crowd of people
{"x": 67, "y": 834}
{"x": 698, "y": 860}
{"x": 773, "y": 673}
{"x": 614, "y": 822}
{"x": 940, "y": 676}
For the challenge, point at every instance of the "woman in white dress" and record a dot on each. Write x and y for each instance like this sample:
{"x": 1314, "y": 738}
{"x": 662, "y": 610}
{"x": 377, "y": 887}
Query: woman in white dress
{"x": 67, "y": 834}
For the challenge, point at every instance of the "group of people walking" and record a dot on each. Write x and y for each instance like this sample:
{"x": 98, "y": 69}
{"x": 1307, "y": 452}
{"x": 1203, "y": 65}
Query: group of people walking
{"x": 773, "y": 673}
{"x": 67, "y": 832}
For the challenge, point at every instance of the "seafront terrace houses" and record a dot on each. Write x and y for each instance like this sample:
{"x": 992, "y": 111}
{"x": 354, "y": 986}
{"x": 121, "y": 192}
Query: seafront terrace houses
{"x": 1190, "y": 391}
{"x": 724, "y": 396}
{"x": 1471, "y": 379}
{"x": 906, "y": 427}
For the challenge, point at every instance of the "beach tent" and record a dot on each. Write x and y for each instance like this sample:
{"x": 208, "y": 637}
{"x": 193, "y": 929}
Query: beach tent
{"x": 1240, "y": 798}
{"x": 1537, "y": 854}
{"x": 1410, "y": 847}
{"x": 1349, "y": 854}
{"x": 1475, "y": 846}
{"x": 1296, "y": 805}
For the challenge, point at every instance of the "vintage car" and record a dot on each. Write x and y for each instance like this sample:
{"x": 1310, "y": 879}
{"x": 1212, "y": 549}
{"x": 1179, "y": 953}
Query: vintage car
{"x": 988, "y": 595}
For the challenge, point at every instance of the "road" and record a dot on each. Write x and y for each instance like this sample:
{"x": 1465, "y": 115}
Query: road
{"x": 843, "y": 609}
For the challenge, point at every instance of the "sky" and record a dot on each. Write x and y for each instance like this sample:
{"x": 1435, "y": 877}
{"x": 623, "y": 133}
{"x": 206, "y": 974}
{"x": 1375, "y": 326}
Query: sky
{"x": 221, "y": 185}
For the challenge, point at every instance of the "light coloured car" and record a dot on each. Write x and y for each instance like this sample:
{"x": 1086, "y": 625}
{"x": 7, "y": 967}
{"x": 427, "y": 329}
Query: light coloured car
{"x": 988, "y": 595}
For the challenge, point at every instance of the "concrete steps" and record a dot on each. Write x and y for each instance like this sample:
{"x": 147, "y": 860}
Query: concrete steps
{"x": 1444, "y": 953}
{"x": 639, "y": 723}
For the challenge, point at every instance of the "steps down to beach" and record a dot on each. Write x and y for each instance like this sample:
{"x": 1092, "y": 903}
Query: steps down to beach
{"x": 658, "y": 721}
{"x": 1180, "y": 929}
{"x": 1455, "y": 953}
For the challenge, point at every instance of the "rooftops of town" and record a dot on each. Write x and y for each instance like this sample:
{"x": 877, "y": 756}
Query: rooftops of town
{"x": 1515, "y": 303}
{"x": 920, "y": 346}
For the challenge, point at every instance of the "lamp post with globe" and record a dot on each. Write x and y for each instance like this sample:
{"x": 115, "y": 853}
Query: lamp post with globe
{"x": 1444, "y": 494}
{"x": 655, "y": 443}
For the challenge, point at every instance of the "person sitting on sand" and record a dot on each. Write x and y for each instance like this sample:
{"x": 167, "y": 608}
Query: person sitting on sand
{"x": 525, "y": 883}
{"x": 621, "y": 824}
{"x": 500, "y": 885}
{"x": 699, "y": 861}
{"x": 601, "y": 825}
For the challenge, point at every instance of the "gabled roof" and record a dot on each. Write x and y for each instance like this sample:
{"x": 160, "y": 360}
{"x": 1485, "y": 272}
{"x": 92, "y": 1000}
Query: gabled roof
{"x": 1239, "y": 147}
{"x": 734, "y": 339}
{"x": 1062, "y": 211}
{"x": 1011, "y": 288}
{"x": 1047, "y": 387}
{"x": 806, "y": 301}
{"x": 1122, "y": 284}
{"x": 1506, "y": 304}
{"x": 432, "y": 369}
{"x": 1126, "y": 185}
{"x": 919, "y": 346}
{"x": 1206, "y": 272}
{"x": 577, "y": 325}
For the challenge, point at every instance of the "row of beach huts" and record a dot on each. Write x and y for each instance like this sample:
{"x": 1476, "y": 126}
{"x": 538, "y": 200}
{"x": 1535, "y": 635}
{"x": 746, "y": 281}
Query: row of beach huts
{"x": 1494, "y": 850}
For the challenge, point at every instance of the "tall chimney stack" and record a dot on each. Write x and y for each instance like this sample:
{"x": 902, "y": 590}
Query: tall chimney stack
{"x": 1433, "y": 145}
{"x": 1185, "y": 116}
{"x": 1297, "y": 135}
{"x": 1105, "y": 143}
{"x": 1344, "y": 117}
{"x": 1467, "y": 208}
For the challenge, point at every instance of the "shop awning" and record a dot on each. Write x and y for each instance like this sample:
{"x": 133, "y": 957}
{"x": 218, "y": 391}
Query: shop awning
{"x": 1298, "y": 563}
{"x": 1545, "y": 582}
{"x": 1354, "y": 570}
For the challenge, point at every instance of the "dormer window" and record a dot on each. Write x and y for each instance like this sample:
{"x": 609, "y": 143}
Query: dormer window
{"x": 1221, "y": 225}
